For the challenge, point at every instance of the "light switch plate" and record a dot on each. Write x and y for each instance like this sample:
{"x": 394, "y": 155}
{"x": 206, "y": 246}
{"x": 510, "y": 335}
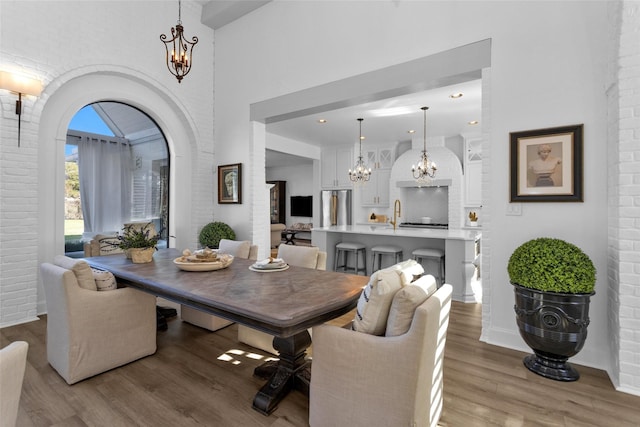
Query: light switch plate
{"x": 514, "y": 209}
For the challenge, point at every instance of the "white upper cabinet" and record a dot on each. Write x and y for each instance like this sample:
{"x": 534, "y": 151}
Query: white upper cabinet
{"x": 375, "y": 193}
{"x": 379, "y": 158}
{"x": 473, "y": 171}
{"x": 334, "y": 168}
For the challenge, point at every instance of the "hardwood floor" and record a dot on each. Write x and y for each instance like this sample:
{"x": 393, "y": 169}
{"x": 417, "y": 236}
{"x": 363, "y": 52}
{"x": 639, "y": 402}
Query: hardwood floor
{"x": 202, "y": 378}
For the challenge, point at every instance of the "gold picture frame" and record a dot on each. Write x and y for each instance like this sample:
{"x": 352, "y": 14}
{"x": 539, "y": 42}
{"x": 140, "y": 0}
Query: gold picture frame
{"x": 230, "y": 183}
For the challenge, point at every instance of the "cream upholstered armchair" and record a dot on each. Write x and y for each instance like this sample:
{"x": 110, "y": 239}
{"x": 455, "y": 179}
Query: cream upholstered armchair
{"x": 240, "y": 249}
{"x": 91, "y": 331}
{"x": 299, "y": 256}
{"x": 276, "y": 234}
{"x": 13, "y": 361}
{"x": 102, "y": 244}
{"x": 359, "y": 379}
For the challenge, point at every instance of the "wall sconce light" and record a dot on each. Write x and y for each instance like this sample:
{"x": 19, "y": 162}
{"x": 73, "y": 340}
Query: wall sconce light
{"x": 21, "y": 85}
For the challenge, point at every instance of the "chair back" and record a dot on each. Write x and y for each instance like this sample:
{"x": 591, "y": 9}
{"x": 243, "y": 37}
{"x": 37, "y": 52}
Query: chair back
{"x": 238, "y": 248}
{"x": 13, "y": 361}
{"x": 303, "y": 256}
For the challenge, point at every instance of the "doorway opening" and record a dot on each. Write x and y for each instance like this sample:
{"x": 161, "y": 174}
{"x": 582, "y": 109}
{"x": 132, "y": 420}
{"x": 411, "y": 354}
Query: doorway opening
{"x": 116, "y": 172}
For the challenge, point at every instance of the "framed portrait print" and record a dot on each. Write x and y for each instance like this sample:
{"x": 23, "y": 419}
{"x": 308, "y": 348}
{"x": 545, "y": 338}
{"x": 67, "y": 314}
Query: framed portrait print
{"x": 230, "y": 183}
{"x": 546, "y": 165}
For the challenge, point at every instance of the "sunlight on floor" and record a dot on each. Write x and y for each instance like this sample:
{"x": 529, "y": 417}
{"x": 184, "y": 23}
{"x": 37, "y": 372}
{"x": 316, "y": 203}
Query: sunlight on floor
{"x": 234, "y": 355}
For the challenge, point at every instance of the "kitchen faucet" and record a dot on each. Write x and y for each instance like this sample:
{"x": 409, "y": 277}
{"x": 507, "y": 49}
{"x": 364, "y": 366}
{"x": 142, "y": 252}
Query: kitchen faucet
{"x": 396, "y": 210}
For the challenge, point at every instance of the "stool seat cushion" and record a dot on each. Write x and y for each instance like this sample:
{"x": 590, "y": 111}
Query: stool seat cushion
{"x": 428, "y": 252}
{"x": 388, "y": 249}
{"x": 350, "y": 246}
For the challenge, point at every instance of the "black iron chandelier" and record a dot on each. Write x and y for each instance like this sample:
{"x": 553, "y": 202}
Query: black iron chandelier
{"x": 180, "y": 58}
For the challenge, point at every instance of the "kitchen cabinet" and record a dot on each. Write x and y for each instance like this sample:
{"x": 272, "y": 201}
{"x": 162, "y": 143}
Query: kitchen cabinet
{"x": 334, "y": 168}
{"x": 473, "y": 171}
{"x": 375, "y": 192}
{"x": 277, "y": 202}
{"x": 379, "y": 158}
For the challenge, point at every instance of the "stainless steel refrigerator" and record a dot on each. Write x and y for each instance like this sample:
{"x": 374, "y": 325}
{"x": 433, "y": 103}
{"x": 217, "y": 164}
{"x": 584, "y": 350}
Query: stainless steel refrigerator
{"x": 335, "y": 207}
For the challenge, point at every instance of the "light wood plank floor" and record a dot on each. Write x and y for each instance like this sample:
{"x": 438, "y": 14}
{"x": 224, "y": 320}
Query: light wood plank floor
{"x": 203, "y": 378}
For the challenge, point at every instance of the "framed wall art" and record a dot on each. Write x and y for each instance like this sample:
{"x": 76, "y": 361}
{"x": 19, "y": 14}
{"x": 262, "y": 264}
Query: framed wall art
{"x": 230, "y": 183}
{"x": 546, "y": 164}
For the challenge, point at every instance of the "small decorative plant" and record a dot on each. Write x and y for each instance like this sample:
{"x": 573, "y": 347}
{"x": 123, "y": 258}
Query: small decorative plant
{"x": 138, "y": 236}
{"x": 552, "y": 265}
{"x": 212, "y": 233}
{"x": 473, "y": 216}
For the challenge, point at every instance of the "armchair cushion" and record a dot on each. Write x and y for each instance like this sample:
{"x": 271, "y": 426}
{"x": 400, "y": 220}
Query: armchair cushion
{"x": 405, "y": 302}
{"x": 375, "y": 301}
{"x": 80, "y": 269}
{"x": 102, "y": 244}
{"x": 105, "y": 280}
{"x": 410, "y": 269}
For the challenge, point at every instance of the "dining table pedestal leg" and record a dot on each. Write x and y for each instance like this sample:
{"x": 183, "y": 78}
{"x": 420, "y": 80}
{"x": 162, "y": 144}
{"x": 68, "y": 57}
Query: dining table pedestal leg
{"x": 291, "y": 372}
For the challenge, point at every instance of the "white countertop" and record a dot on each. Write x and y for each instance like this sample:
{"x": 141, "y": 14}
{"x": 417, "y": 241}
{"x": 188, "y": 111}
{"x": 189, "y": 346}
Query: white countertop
{"x": 382, "y": 230}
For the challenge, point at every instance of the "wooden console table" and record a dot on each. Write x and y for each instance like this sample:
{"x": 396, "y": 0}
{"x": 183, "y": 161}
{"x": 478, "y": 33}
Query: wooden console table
{"x": 284, "y": 304}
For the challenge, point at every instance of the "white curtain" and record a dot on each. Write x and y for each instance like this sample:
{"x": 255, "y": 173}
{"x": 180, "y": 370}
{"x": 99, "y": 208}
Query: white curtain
{"x": 104, "y": 167}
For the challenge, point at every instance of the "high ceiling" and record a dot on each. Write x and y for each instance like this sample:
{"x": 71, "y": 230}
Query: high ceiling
{"x": 385, "y": 121}
{"x": 390, "y": 120}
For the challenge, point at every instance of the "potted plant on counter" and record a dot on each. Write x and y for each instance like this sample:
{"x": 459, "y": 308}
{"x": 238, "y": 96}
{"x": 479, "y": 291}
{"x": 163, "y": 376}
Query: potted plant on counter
{"x": 212, "y": 233}
{"x": 553, "y": 282}
{"x": 139, "y": 241}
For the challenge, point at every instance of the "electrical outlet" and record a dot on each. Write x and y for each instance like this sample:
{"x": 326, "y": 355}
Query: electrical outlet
{"x": 514, "y": 209}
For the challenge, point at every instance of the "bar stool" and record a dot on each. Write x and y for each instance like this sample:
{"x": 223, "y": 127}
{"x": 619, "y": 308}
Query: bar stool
{"x": 343, "y": 249}
{"x": 380, "y": 250}
{"x": 431, "y": 254}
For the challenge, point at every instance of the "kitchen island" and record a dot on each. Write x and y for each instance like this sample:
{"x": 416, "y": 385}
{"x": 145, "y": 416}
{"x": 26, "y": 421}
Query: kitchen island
{"x": 461, "y": 247}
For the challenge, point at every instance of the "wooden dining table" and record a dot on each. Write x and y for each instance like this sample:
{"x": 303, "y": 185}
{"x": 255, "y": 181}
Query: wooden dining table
{"x": 282, "y": 303}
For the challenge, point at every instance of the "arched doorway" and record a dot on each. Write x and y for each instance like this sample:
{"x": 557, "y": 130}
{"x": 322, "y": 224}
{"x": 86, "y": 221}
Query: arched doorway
{"x": 61, "y": 100}
{"x": 116, "y": 171}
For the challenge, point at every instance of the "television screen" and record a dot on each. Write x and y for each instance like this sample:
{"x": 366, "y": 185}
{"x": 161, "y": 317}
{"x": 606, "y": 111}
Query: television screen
{"x": 302, "y": 206}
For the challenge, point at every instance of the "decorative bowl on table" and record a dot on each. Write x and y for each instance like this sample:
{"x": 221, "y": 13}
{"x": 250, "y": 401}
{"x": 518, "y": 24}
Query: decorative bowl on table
{"x": 269, "y": 264}
{"x": 203, "y": 260}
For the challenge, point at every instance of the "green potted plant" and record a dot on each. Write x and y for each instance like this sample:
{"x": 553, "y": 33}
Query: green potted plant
{"x": 553, "y": 282}
{"x": 212, "y": 233}
{"x": 139, "y": 241}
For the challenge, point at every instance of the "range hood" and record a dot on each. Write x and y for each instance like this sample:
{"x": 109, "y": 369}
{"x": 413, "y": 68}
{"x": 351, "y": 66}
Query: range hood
{"x": 449, "y": 167}
{"x": 443, "y": 182}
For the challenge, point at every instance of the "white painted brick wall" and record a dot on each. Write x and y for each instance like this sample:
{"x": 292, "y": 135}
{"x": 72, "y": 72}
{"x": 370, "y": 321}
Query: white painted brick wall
{"x": 70, "y": 39}
{"x": 624, "y": 195}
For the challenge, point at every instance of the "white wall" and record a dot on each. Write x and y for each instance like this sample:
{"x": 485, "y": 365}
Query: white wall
{"x": 85, "y": 52}
{"x": 548, "y": 69}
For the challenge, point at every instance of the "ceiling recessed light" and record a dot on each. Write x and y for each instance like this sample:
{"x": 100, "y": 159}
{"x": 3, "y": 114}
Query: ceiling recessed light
{"x": 411, "y": 131}
{"x": 456, "y": 95}
{"x": 473, "y": 122}
{"x": 322, "y": 121}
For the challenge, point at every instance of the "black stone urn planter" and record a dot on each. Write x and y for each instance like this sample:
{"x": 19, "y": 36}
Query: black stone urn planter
{"x": 554, "y": 325}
